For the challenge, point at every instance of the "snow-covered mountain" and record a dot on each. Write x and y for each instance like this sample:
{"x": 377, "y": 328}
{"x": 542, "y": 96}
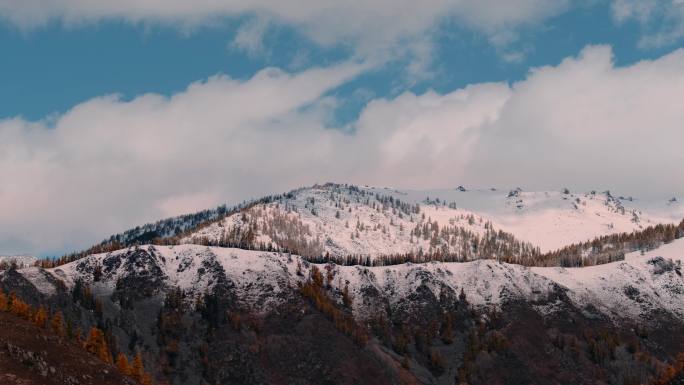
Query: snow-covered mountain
{"x": 641, "y": 284}
{"x": 346, "y": 220}
{"x": 210, "y": 314}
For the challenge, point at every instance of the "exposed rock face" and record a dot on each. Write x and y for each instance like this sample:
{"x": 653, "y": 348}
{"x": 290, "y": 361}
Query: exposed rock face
{"x": 29, "y": 358}
{"x": 662, "y": 265}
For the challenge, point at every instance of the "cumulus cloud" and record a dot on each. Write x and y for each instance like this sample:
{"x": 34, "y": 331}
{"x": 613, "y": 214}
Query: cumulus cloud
{"x": 588, "y": 124}
{"x": 108, "y": 164}
{"x": 426, "y": 140}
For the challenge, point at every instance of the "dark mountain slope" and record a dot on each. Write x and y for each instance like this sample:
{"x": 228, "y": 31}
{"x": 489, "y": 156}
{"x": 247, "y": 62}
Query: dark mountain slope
{"x": 30, "y": 355}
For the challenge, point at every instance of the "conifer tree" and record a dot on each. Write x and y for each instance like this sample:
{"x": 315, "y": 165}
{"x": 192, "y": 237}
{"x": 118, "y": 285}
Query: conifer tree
{"x": 3, "y": 301}
{"x": 40, "y": 318}
{"x": 19, "y": 307}
{"x": 346, "y": 297}
{"x": 138, "y": 369}
{"x": 122, "y": 364}
{"x": 69, "y": 329}
{"x": 57, "y": 324}
{"x": 146, "y": 379}
{"x": 78, "y": 336}
{"x": 680, "y": 361}
{"x": 462, "y": 298}
{"x": 97, "y": 345}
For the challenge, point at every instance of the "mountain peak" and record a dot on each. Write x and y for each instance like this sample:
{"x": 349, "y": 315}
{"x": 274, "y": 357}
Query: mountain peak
{"x": 343, "y": 220}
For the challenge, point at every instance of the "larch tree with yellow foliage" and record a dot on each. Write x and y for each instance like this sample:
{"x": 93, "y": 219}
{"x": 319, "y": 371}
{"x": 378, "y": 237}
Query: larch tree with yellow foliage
{"x": 78, "y": 337}
{"x": 122, "y": 364}
{"x": 40, "y": 317}
{"x": 138, "y": 369}
{"x": 19, "y": 307}
{"x": 97, "y": 345}
{"x": 3, "y": 301}
{"x": 57, "y": 324}
{"x": 146, "y": 380}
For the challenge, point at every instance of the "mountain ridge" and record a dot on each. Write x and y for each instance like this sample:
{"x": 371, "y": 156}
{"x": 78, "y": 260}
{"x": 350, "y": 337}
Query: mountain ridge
{"x": 359, "y": 224}
{"x": 196, "y": 268}
{"x": 146, "y": 288}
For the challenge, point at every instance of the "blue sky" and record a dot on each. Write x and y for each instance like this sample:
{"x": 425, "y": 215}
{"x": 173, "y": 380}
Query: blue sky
{"x": 117, "y": 113}
{"x": 50, "y": 68}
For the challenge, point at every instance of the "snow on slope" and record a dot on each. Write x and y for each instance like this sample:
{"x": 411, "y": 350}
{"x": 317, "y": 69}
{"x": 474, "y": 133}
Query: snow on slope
{"x": 40, "y": 278}
{"x": 340, "y": 221}
{"x": 553, "y": 219}
{"x": 348, "y": 221}
{"x": 20, "y": 260}
{"x": 257, "y": 274}
{"x": 632, "y": 288}
{"x": 640, "y": 283}
{"x": 259, "y": 277}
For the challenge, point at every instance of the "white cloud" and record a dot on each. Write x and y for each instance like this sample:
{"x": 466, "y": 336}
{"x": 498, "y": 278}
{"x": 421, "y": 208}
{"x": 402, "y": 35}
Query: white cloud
{"x": 424, "y": 140}
{"x": 369, "y": 27}
{"x": 640, "y": 10}
{"x": 662, "y": 21}
{"x": 108, "y": 164}
{"x": 250, "y": 37}
{"x": 323, "y": 15}
{"x": 588, "y": 124}
{"x": 583, "y": 123}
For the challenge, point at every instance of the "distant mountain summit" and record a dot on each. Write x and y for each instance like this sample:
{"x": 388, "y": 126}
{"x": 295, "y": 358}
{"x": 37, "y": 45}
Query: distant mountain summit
{"x": 342, "y": 221}
{"x": 366, "y": 225}
{"x": 17, "y": 260}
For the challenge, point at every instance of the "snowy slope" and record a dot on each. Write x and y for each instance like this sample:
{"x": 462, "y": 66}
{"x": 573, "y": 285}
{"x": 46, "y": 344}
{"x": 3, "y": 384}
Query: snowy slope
{"x": 633, "y": 288}
{"x": 19, "y": 260}
{"x": 553, "y": 219}
{"x": 340, "y": 221}
{"x": 259, "y": 277}
{"x": 640, "y": 283}
{"x": 348, "y": 221}
{"x": 257, "y": 273}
